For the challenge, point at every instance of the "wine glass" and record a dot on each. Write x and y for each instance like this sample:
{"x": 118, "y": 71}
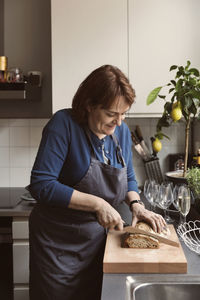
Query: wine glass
{"x": 168, "y": 218}
{"x": 156, "y": 188}
{"x": 149, "y": 192}
{"x": 165, "y": 198}
{"x": 175, "y": 199}
{"x": 184, "y": 202}
{"x": 146, "y": 188}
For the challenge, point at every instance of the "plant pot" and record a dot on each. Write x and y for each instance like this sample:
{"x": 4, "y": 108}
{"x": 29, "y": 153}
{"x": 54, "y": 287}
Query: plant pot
{"x": 176, "y": 177}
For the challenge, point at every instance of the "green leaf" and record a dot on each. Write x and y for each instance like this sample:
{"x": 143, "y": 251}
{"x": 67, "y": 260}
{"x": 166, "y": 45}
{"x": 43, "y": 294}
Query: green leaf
{"x": 153, "y": 95}
{"x": 193, "y": 109}
{"x": 192, "y": 81}
{"x": 179, "y": 84}
{"x": 171, "y": 90}
{"x": 194, "y": 71}
{"x": 193, "y": 94}
{"x": 173, "y": 82}
{"x": 187, "y": 102}
{"x": 162, "y": 96}
{"x": 188, "y": 64}
{"x": 168, "y": 107}
{"x": 178, "y": 74}
{"x": 196, "y": 103}
{"x": 173, "y": 67}
{"x": 181, "y": 69}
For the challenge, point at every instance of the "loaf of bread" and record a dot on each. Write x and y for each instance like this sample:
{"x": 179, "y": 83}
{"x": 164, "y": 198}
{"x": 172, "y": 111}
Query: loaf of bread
{"x": 135, "y": 240}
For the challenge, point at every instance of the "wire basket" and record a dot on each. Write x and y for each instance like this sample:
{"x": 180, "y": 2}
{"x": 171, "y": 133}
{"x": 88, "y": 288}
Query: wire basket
{"x": 190, "y": 234}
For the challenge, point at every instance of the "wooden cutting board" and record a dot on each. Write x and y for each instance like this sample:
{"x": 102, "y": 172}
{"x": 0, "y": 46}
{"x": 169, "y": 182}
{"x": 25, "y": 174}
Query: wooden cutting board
{"x": 166, "y": 259}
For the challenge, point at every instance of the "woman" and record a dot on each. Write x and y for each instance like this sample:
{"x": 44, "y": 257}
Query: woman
{"x": 82, "y": 172}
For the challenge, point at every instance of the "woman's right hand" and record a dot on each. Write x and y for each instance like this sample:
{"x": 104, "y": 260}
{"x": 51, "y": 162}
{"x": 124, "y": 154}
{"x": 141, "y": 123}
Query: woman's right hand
{"x": 107, "y": 216}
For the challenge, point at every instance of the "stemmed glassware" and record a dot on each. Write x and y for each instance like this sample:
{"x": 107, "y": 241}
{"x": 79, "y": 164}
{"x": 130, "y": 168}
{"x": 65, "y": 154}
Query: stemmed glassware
{"x": 151, "y": 189}
{"x": 183, "y": 202}
{"x": 165, "y": 198}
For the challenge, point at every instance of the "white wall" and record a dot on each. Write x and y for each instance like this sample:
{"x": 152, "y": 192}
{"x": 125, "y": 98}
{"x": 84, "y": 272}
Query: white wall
{"x": 85, "y": 35}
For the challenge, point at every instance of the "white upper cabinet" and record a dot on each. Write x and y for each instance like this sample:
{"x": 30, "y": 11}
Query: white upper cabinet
{"x": 161, "y": 33}
{"x": 85, "y": 35}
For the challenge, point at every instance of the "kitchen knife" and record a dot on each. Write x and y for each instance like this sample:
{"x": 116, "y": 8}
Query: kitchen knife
{"x": 138, "y": 147}
{"x": 154, "y": 154}
{"x": 160, "y": 238}
{"x": 142, "y": 142}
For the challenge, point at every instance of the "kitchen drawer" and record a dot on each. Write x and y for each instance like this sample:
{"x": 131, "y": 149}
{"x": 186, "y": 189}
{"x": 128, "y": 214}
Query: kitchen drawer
{"x": 20, "y": 228}
{"x": 21, "y": 292}
{"x": 20, "y": 262}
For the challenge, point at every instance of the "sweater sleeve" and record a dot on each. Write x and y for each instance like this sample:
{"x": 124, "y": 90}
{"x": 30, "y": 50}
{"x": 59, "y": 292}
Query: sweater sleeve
{"x": 45, "y": 186}
{"x": 132, "y": 182}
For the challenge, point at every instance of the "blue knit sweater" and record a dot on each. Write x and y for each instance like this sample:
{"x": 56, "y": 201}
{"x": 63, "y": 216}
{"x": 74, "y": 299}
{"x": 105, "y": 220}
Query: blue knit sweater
{"x": 63, "y": 158}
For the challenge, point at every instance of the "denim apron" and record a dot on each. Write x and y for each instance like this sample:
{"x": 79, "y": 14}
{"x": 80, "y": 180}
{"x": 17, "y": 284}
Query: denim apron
{"x": 67, "y": 245}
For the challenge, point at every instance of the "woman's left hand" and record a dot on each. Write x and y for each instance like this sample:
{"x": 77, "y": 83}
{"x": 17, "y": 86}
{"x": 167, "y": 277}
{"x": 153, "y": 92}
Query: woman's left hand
{"x": 140, "y": 213}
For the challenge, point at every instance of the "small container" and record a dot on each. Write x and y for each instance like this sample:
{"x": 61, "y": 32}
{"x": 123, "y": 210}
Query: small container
{"x": 198, "y": 157}
{"x": 17, "y": 74}
{"x": 3, "y": 68}
{"x": 179, "y": 164}
{"x": 3, "y": 63}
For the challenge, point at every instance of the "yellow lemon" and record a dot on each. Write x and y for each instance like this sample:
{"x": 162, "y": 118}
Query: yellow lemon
{"x": 157, "y": 145}
{"x": 176, "y": 114}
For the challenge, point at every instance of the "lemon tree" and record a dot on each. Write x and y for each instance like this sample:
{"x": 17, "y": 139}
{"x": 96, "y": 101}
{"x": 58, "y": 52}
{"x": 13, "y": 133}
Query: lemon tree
{"x": 181, "y": 102}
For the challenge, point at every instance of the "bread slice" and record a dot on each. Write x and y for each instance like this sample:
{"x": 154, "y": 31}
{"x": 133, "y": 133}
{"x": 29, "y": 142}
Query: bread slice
{"x": 135, "y": 240}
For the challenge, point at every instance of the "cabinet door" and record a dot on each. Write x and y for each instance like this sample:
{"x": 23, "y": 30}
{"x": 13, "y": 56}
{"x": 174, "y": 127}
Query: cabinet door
{"x": 21, "y": 293}
{"x": 21, "y": 262}
{"x": 85, "y": 35}
{"x": 161, "y": 33}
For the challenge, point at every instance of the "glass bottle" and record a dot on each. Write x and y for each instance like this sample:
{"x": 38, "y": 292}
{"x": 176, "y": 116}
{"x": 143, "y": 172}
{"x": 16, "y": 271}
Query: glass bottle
{"x": 3, "y": 68}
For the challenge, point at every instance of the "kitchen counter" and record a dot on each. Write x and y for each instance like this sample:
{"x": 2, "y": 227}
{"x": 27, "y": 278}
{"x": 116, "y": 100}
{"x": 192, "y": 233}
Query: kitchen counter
{"x": 114, "y": 285}
{"x": 22, "y": 208}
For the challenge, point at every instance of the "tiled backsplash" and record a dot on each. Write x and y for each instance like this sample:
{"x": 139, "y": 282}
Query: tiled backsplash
{"x": 19, "y": 140}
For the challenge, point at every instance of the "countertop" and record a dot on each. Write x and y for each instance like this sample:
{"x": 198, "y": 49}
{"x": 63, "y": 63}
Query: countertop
{"x": 114, "y": 285}
{"x": 22, "y": 208}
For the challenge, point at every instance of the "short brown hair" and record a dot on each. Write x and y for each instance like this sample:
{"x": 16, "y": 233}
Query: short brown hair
{"x": 101, "y": 87}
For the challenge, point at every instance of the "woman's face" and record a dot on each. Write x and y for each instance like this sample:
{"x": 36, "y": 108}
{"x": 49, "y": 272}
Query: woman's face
{"x": 104, "y": 121}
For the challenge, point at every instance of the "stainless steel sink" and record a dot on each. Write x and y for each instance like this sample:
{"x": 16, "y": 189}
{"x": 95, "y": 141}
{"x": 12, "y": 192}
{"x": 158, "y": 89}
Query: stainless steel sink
{"x": 159, "y": 287}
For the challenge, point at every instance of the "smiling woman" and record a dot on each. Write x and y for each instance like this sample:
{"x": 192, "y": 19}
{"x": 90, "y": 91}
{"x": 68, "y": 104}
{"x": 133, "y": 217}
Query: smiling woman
{"x": 104, "y": 86}
{"x": 104, "y": 121}
{"x": 82, "y": 173}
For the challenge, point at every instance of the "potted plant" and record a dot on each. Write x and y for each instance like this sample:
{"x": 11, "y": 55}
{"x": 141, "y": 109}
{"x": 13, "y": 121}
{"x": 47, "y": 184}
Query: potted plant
{"x": 182, "y": 100}
{"x": 193, "y": 179}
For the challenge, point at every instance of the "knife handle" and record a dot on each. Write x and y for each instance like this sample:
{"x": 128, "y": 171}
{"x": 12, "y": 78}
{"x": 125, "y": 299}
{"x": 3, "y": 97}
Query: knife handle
{"x": 134, "y": 138}
{"x": 139, "y": 132}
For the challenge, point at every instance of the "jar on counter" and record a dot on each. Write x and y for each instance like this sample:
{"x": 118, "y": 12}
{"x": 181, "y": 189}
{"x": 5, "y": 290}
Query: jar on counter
{"x": 3, "y": 68}
{"x": 179, "y": 164}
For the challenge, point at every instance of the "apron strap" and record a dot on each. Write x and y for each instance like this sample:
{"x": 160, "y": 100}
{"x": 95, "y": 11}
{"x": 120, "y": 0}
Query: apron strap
{"x": 119, "y": 155}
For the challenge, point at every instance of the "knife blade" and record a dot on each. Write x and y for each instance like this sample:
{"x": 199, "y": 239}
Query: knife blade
{"x": 138, "y": 147}
{"x": 142, "y": 142}
{"x": 160, "y": 238}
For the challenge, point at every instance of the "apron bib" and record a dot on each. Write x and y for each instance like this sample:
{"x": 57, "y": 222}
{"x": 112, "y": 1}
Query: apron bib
{"x": 66, "y": 245}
